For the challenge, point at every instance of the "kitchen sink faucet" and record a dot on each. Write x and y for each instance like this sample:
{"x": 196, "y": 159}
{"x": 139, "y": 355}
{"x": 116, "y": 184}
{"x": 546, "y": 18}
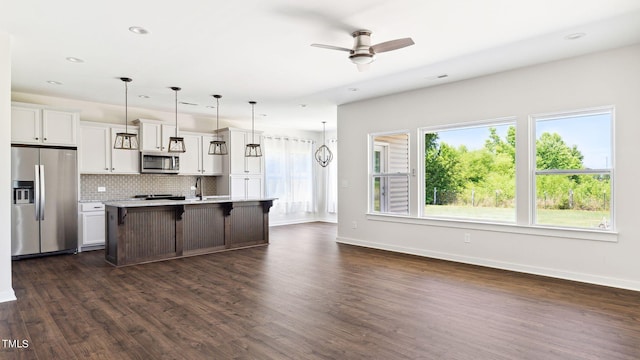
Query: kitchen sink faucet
{"x": 199, "y": 192}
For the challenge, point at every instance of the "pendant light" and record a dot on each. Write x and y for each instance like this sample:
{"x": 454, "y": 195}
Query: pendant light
{"x": 126, "y": 140}
{"x": 253, "y": 149}
{"x": 323, "y": 154}
{"x": 176, "y": 144}
{"x": 218, "y": 147}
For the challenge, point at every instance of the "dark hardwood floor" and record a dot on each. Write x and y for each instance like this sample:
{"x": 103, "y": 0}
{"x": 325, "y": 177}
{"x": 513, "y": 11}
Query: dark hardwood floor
{"x": 306, "y": 297}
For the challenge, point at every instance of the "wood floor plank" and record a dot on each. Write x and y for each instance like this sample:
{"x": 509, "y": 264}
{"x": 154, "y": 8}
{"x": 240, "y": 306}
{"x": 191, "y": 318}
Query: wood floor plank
{"x": 306, "y": 297}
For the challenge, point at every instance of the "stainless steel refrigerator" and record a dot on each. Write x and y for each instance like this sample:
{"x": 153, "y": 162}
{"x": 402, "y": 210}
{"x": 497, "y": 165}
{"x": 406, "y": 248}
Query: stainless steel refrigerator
{"x": 44, "y": 215}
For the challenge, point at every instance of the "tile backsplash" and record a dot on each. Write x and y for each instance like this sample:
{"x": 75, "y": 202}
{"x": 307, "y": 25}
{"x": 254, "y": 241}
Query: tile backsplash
{"x": 118, "y": 187}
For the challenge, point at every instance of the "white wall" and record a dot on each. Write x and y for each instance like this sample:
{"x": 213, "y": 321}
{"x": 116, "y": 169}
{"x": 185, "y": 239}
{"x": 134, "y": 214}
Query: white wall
{"x": 606, "y": 78}
{"x": 6, "y": 291}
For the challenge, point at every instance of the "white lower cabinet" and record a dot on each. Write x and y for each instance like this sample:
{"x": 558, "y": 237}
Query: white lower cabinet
{"x": 92, "y": 223}
{"x": 246, "y": 186}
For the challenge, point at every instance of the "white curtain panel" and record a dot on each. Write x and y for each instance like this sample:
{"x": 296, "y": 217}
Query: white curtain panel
{"x": 289, "y": 174}
{"x": 332, "y": 178}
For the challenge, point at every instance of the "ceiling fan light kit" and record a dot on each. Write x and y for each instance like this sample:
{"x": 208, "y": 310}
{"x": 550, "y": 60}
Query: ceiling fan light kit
{"x": 363, "y": 53}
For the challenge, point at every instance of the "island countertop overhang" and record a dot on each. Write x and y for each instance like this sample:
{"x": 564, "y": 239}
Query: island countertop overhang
{"x": 206, "y": 200}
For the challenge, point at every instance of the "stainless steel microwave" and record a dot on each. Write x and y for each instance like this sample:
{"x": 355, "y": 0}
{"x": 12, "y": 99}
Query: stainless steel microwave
{"x": 159, "y": 163}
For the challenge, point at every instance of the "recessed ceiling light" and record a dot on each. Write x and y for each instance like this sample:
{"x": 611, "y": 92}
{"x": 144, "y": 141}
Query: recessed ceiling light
{"x": 303, "y": 105}
{"x": 53, "y": 82}
{"x": 188, "y": 103}
{"x": 575, "y": 36}
{"x": 262, "y": 115}
{"x": 211, "y": 107}
{"x": 74, "y": 59}
{"x": 138, "y": 30}
{"x": 353, "y": 89}
{"x": 442, "y": 76}
{"x": 143, "y": 96}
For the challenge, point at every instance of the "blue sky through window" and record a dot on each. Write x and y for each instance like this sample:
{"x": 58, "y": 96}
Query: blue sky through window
{"x": 590, "y": 133}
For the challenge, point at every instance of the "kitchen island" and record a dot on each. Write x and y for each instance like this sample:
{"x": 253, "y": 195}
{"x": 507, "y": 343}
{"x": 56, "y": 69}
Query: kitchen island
{"x": 144, "y": 231}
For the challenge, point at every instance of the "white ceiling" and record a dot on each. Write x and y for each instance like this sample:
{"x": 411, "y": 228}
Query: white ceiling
{"x": 260, "y": 50}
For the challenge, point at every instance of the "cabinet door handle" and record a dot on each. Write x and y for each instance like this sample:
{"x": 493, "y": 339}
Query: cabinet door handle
{"x": 37, "y": 138}
{"x": 106, "y": 168}
{"x": 113, "y": 168}
{"x": 45, "y": 139}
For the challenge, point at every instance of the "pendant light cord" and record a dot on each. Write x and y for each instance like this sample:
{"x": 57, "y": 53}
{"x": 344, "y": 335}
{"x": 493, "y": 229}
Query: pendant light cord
{"x": 126, "y": 106}
{"x": 176, "y": 112}
{"x": 324, "y": 129}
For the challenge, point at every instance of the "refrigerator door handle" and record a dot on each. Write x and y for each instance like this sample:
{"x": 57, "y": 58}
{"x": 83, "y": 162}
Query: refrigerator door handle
{"x": 37, "y": 191}
{"x": 42, "y": 196}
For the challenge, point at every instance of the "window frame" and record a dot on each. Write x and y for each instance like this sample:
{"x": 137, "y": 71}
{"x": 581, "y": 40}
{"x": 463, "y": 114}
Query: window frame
{"x": 525, "y": 191}
{"x": 372, "y": 143}
{"x": 534, "y": 172}
{"x": 506, "y": 120}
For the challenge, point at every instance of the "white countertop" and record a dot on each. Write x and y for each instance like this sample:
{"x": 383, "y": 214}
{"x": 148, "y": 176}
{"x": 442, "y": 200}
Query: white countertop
{"x": 205, "y": 200}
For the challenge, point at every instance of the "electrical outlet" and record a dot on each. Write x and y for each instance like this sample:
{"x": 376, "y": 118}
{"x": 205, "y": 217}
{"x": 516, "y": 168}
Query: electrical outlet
{"x": 102, "y": 189}
{"x": 467, "y": 238}
{"x": 354, "y": 225}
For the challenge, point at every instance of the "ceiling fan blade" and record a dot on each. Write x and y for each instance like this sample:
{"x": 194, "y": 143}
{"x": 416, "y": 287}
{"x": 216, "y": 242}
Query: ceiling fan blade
{"x": 331, "y": 47}
{"x": 392, "y": 45}
{"x": 363, "y": 67}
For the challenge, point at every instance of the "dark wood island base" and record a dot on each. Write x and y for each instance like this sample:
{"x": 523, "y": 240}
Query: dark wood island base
{"x": 143, "y": 232}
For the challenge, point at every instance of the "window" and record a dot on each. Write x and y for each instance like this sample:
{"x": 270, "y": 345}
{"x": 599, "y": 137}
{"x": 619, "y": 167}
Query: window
{"x": 332, "y": 178}
{"x": 289, "y": 174}
{"x": 573, "y": 173}
{"x": 470, "y": 173}
{"x": 389, "y": 169}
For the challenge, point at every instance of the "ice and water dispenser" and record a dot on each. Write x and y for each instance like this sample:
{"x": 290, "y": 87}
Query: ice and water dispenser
{"x": 23, "y": 192}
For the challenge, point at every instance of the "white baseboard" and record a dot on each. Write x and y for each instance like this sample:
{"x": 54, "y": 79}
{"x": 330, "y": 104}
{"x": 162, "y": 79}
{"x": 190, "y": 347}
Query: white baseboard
{"x": 290, "y": 222}
{"x": 300, "y": 221}
{"x": 555, "y": 273}
{"x": 7, "y": 295}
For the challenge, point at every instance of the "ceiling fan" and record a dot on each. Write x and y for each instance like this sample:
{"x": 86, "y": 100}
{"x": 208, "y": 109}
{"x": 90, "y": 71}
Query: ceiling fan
{"x": 363, "y": 53}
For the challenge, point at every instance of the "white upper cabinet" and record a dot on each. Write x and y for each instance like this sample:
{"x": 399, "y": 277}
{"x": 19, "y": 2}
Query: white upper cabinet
{"x": 243, "y": 177}
{"x": 96, "y": 154}
{"x": 93, "y": 152}
{"x": 240, "y": 164}
{"x": 36, "y": 125}
{"x": 155, "y": 134}
{"x": 196, "y": 160}
{"x": 123, "y": 161}
{"x": 211, "y": 164}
